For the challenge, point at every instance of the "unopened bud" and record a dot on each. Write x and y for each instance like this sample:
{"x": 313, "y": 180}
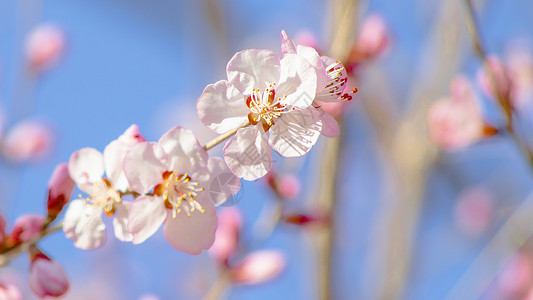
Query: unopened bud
{"x": 60, "y": 188}
{"x": 47, "y": 277}
{"x": 44, "y": 46}
{"x": 259, "y": 267}
{"x": 28, "y": 140}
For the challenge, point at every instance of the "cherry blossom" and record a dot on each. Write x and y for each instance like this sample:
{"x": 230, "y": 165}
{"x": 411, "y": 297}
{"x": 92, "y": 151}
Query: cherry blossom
{"x": 47, "y": 277}
{"x": 179, "y": 172}
{"x": 274, "y": 96}
{"x": 83, "y": 219}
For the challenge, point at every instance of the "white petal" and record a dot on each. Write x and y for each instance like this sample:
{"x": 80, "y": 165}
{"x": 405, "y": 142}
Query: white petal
{"x": 330, "y": 126}
{"x": 287, "y": 44}
{"x": 296, "y": 132}
{"x": 222, "y": 184}
{"x": 144, "y": 166}
{"x": 184, "y": 153}
{"x": 84, "y": 224}
{"x": 248, "y": 154}
{"x": 253, "y": 69}
{"x": 195, "y": 233}
{"x": 120, "y": 222}
{"x": 298, "y": 81}
{"x": 221, "y": 107}
{"x": 114, "y": 155}
{"x": 315, "y": 60}
{"x": 147, "y": 213}
{"x": 86, "y": 166}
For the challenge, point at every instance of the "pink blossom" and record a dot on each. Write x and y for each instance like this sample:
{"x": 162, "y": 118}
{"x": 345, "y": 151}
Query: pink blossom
{"x": 474, "y": 210}
{"x": 60, "y": 188}
{"x": 274, "y": 96}
{"x": 501, "y": 75}
{"x": 44, "y": 46}
{"x": 9, "y": 292}
{"x": 258, "y": 267}
{"x": 29, "y": 139}
{"x": 83, "y": 219}
{"x": 374, "y": 36}
{"x": 47, "y": 277}
{"x": 520, "y": 71}
{"x": 227, "y": 235}
{"x": 179, "y": 171}
{"x": 517, "y": 276}
{"x": 26, "y": 227}
{"x": 457, "y": 121}
{"x": 285, "y": 186}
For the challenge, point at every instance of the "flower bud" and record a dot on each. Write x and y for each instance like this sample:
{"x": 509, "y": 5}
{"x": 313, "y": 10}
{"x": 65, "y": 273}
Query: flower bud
{"x": 47, "y": 277}
{"x": 44, "y": 46}
{"x": 501, "y": 77}
{"x": 285, "y": 186}
{"x": 60, "y": 188}
{"x": 26, "y": 227}
{"x": 372, "y": 41}
{"x": 28, "y": 140}
{"x": 258, "y": 267}
{"x": 227, "y": 235}
{"x": 9, "y": 292}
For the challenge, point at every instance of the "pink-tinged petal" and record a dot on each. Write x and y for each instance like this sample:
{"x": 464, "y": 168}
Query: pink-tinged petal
{"x": 248, "y": 153}
{"x": 501, "y": 75}
{"x": 9, "y": 292}
{"x": 47, "y": 278}
{"x": 287, "y": 44}
{"x": 60, "y": 189}
{"x": 312, "y": 57}
{"x": 335, "y": 88}
{"x": 298, "y": 81}
{"x": 28, "y": 140}
{"x": 193, "y": 234}
{"x": 227, "y": 234}
{"x": 296, "y": 132}
{"x": 114, "y": 155}
{"x": 84, "y": 224}
{"x": 185, "y": 154}
{"x": 260, "y": 266}
{"x": 144, "y": 166}
{"x": 253, "y": 69}
{"x": 132, "y": 136}
{"x": 85, "y": 167}
{"x": 223, "y": 184}
{"x": 330, "y": 126}
{"x": 146, "y": 215}
{"x": 221, "y": 107}
{"x": 120, "y": 222}
{"x": 44, "y": 46}
{"x": 26, "y": 227}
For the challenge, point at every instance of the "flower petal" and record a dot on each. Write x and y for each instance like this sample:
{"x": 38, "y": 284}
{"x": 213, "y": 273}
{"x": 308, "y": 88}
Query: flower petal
{"x": 248, "y": 154}
{"x": 253, "y": 69}
{"x": 114, "y": 155}
{"x": 298, "y": 81}
{"x": 146, "y": 215}
{"x": 144, "y": 166}
{"x": 312, "y": 56}
{"x": 84, "y": 224}
{"x": 86, "y": 166}
{"x": 222, "y": 184}
{"x": 330, "y": 126}
{"x": 120, "y": 222}
{"x": 184, "y": 153}
{"x": 195, "y": 233}
{"x": 296, "y": 132}
{"x": 287, "y": 44}
{"x": 221, "y": 107}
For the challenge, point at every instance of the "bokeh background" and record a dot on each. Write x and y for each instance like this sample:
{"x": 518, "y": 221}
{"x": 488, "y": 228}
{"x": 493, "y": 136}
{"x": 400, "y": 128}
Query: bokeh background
{"x": 146, "y": 62}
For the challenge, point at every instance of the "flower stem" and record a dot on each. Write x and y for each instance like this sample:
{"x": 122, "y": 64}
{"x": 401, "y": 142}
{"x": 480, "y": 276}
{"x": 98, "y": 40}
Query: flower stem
{"x": 219, "y": 139}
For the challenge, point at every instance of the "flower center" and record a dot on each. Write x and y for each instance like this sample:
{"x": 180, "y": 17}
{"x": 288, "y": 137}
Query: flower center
{"x": 103, "y": 195}
{"x": 265, "y": 107}
{"x": 179, "y": 193}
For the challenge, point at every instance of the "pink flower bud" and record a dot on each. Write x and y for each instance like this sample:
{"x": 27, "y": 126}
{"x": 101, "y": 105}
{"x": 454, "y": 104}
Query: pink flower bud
{"x": 29, "y": 139}
{"x": 517, "y": 276}
{"x": 47, "y": 277}
{"x": 26, "y": 227}
{"x": 60, "y": 188}
{"x": 132, "y": 136}
{"x": 227, "y": 235}
{"x": 289, "y": 186}
{"x": 474, "y": 211}
{"x": 44, "y": 46}
{"x": 258, "y": 267}
{"x": 9, "y": 292}
{"x": 374, "y": 36}
{"x": 501, "y": 75}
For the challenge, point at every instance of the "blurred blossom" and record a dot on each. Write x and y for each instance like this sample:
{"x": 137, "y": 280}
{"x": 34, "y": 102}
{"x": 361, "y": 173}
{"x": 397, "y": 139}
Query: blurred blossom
{"x": 501, "y": 75}
{"x": 306, "y": 38}
{"x": 47, "y": 277}
{"x": 285, "y": 186}
{"x": 26, "y": 227}
{"x": 520, "y": 70}
{"x": 517, "y": 277}
{"x": 335, "y": 109}
{"x": 28, "y": 140}
{"x": 227, "y": 234}
{"x": 258, "y": 267}
{"x": 372, "y": 41}
{"x": 474, "y": 210}
{"x": 148, "y": 297}
{"x": 44, "y": 46}
{"x": 60, "y": 188}
{"x": 9, "y": 292}
{"x": 457, "y": 121}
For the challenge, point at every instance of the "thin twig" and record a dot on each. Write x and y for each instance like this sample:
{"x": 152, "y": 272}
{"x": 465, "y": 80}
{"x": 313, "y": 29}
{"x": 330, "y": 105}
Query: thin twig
{"x": 219, "y": 139}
